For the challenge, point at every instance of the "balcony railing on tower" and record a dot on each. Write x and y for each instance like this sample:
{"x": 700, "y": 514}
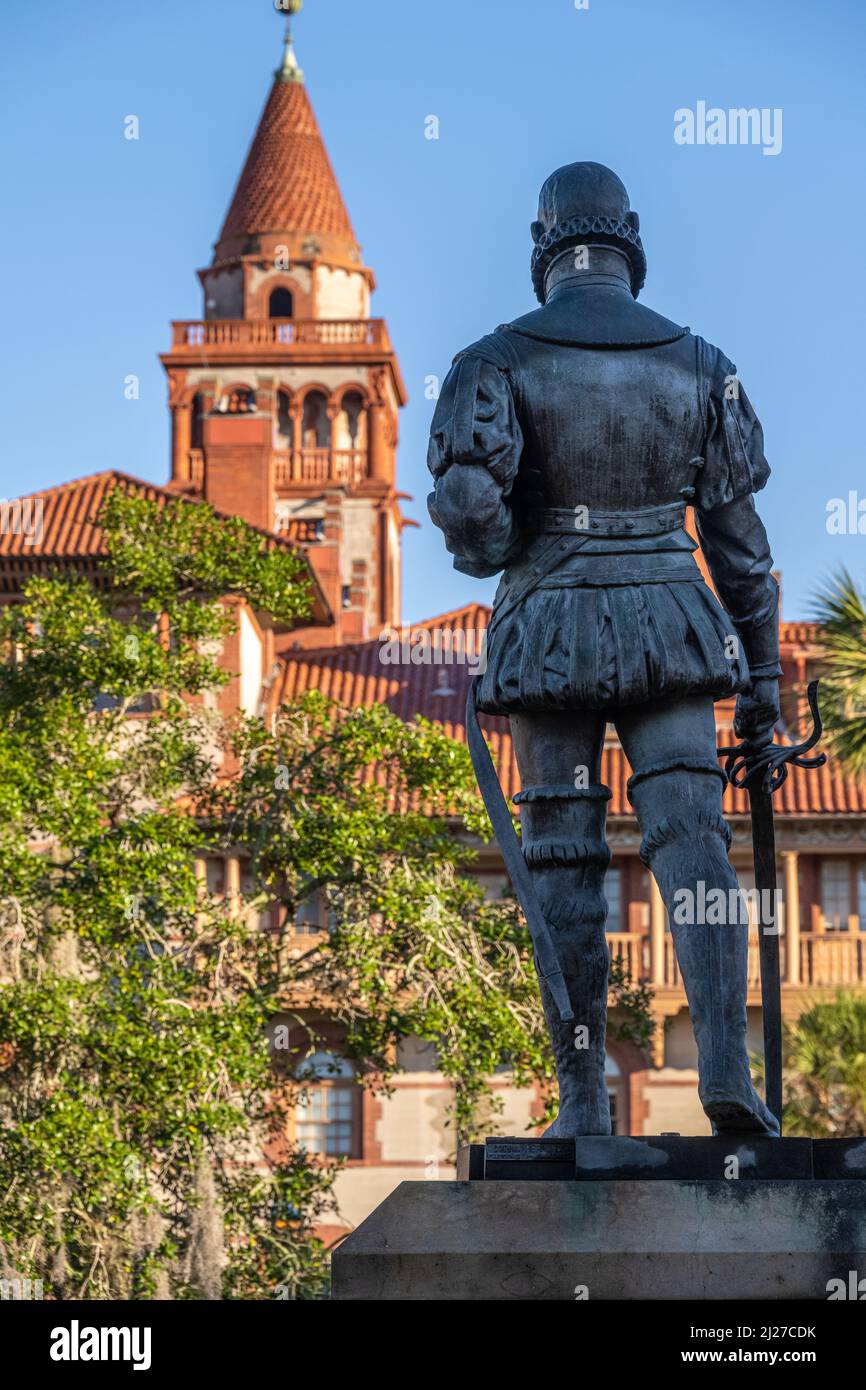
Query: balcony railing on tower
{"x": 347, "y": 467}
{"x": 225, "y": 337}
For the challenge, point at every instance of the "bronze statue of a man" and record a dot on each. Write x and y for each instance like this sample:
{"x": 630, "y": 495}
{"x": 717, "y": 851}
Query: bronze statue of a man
{"x": 565, "y": 448}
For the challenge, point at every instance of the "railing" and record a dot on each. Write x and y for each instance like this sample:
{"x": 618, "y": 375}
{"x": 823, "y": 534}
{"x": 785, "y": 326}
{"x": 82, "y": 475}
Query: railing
{"x": 282, "y": 469}
{"x": 825, "y": 960}
{"x": 671, "y": 973}
{"x": 200, "y": 335}
{"x": 346, "y": 466}
{"x": 632, "y": 948}
{"x": 833, "y": 959}
{"x": 350, "y": 466}
{"x": 315, "y": 465}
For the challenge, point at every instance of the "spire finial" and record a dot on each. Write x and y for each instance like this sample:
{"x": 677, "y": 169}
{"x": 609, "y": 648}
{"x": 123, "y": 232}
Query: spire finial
{"x": 289, "y": 71}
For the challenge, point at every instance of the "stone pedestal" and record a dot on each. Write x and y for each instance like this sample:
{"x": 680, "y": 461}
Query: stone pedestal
{"x": 607, "y": 1239}
{"x": 660, "y": 1158}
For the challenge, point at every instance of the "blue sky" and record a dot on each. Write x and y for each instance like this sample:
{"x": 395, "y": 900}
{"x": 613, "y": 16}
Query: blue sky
{"x": 761, "y": 254}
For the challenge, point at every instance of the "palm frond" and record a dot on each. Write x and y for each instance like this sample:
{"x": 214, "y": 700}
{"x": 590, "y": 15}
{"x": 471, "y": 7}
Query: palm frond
{"x": 840, "y": 608}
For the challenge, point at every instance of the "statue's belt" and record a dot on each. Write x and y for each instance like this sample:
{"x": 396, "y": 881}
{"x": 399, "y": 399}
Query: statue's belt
{"x": 562, "y": 539}
{"x": 588, "y": 521}
{"x": 623, "y": 568}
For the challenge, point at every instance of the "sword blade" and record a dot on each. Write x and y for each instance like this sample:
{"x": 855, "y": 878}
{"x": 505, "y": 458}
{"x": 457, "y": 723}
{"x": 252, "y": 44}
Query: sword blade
{"x": 764, "y": 851}
{"x": 546, "y": 956}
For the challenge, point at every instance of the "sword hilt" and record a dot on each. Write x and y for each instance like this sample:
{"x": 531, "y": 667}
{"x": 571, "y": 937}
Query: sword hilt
{"x": 745, "y": 764}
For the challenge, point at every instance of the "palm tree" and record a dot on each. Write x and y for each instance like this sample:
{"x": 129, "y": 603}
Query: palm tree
{"x": 841, "y": 611}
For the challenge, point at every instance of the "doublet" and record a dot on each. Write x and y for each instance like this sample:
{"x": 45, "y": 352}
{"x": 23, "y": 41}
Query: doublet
{"x": 565, "y": 448}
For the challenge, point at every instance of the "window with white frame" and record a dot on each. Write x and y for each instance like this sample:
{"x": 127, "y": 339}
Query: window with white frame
{"x": 835, "y": 894}
{"x": 313, "y": 916}
{"x": 328, "y": 1110}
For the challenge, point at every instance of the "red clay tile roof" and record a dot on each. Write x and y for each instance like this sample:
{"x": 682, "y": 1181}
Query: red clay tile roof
{"x": 355, "y": 675}
{"x": 69, "y": 532}
{"x": 287, "y": 183}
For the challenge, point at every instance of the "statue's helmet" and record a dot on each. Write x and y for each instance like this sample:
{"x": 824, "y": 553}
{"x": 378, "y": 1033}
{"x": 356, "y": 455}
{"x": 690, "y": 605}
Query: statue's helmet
{"x": 585, "y": 202}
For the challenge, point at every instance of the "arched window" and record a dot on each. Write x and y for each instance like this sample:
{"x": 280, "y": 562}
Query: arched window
{"x": 316, "y": 428}
{"x": 327, "y": 1112}
{"x": 240, "y": 400}
{"x": 283, "y": 421}
{"x": 281, "y": 304}
{"x": 350, "y": 422}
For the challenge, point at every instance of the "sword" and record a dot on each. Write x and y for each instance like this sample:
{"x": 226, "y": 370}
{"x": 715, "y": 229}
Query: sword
{"x": 546, "y": 958}
{"x": 761, "y": 771}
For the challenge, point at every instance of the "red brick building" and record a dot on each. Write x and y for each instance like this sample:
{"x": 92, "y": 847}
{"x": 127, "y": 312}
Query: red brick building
{"x": 284, "y": 400}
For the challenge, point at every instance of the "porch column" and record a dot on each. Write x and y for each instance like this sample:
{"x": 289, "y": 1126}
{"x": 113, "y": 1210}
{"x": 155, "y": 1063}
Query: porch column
{"x": 200, "y": 867}
{"x": 233, "y": 884}
{"x": 657, "y": 934}
{"x": 792, "y": 917}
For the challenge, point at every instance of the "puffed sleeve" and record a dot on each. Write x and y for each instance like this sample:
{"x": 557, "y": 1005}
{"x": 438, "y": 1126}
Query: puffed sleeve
{"x": 474, "y": 454}
{"x": 731, "y": 533}
{"x": 734, "y": 462}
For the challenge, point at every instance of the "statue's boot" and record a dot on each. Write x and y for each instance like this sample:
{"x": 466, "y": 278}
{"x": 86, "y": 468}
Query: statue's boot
{"x": 562, "y": 830}
{"x": 713, "y": 963}
{"x": 687, "y": 853}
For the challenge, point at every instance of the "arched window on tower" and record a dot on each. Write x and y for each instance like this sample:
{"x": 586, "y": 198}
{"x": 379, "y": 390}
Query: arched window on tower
{"x": 281, "y": 304}
{"x": 316, "y": 428}
{"x": 350, "y": 422}
{"x": 350, "y": 439}
{"x": 283, "y": 421}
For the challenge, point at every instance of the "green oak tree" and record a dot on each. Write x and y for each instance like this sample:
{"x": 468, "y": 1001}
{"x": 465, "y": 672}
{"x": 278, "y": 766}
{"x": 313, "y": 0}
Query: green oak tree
{"x": 147, "y": 1068}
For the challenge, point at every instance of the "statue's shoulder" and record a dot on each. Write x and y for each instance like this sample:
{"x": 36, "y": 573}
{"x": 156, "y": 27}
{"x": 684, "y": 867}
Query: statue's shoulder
{"x": 498, "y": 349}
{"x": 715, "y": 369}
{"x": 716, "y": 362}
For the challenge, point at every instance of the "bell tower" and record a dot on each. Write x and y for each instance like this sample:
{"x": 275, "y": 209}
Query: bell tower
{"x": 284, "y": 396}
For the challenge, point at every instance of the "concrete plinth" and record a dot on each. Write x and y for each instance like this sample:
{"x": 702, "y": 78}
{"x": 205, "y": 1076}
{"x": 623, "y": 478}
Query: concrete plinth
{"x": 737, "y": 1239}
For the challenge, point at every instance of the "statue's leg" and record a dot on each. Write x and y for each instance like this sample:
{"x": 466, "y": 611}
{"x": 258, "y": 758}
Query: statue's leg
{"x": 562, "y": 816}
{"x": 676, "y": 790}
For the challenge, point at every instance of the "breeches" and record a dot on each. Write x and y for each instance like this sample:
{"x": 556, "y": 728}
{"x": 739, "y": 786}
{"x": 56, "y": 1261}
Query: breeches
{"x": 675, "y": 788}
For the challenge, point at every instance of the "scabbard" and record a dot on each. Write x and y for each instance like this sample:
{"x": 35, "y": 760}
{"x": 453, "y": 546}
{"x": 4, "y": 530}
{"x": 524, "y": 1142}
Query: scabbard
{"x": 546, "y": 957}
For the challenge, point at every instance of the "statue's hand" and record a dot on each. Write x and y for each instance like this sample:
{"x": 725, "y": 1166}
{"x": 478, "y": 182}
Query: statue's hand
{"x": 757, "y": 712}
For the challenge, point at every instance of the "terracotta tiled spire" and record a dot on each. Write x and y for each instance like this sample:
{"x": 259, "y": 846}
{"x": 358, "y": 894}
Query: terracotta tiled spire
{"x": 288, "y": 186}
